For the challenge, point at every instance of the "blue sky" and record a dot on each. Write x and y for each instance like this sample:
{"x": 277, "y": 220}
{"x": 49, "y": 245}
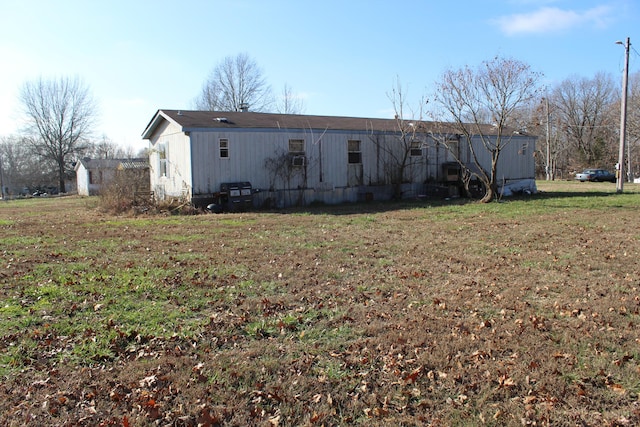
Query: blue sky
{"x": 341, "y": 57}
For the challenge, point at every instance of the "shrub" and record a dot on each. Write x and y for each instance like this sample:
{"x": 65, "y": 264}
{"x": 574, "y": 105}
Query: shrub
{"x": 127, "y": 192}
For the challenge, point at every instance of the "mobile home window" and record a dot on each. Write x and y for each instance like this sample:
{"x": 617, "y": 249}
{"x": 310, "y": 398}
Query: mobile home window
{"x": 224, "y": 148}
{"x": 162, "y": 155}
{"x": 354, "y": 152}
{"x": 95, "y": 178}
{"x": 416, "y": 148}
{"x": 454, "y": 147}
{"x": 296, "y": 146}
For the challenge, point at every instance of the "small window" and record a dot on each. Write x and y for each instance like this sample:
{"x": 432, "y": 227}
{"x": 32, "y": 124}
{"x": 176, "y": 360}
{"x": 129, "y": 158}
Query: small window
{"x": 453, "y": 145}
{"x": 91, "y": 178}
{"x": 224, "y": 148}
{"x": 523, "y": 150}
{"x": 296, "y": 146}
{"x": 354, "y": 152}
{"x": 162, "y": 155}
{"x": 298, "y": 161}
{"x": 416, "y": 149}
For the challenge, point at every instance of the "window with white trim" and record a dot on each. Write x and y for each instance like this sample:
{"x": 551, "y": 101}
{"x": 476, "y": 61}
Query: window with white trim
{"x": 416, "y": 149}
{"x": 453, "y": 145}
{"x": 163, "y": 170}
{"x": 296, "y": 146}
{"x": 224, "y": 148}
{"x": 354, "y": 152}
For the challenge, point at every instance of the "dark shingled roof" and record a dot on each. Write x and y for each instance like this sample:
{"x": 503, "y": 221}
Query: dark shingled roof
{"x": 194, "y": 120}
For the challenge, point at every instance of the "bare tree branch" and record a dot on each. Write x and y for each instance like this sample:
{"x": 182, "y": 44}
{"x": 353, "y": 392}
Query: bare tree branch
{"x": 289, "y": 102}
{"x": 585, "y": 108}
{"x": 490, "y": 94}
{"x": 234, "y": 84}
{"x": 60, "y": 115}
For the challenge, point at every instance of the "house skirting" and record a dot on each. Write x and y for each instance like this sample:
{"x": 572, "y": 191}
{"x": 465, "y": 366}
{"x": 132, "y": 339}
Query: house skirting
{"x": 278, "y": 199}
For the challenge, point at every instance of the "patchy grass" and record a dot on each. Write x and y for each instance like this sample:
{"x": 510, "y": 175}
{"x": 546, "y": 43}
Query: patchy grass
{"x": 523, "y": 312}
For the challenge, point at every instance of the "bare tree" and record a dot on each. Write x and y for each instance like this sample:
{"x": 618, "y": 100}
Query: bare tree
{"x": 553, "y": 149}
{"x": 235, "y": 84}
{"x": 494, "y": 91}
{"x": 633, "y": 124}
{"x": 289, "y": 102}
{"x": 105, "y": 149}
{"x": 586, "y": 107}
{"x": 21, "y": 170}
{"x": 60, "y": 115}
{"x": 282, "y": 168}
{"x": 399, "y": 158}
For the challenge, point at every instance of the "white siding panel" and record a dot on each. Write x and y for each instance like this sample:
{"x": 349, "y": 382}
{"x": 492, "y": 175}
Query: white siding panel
{"x": 515, "y": 161}
{"x": 248, "y": 151}
{"x": 327, "y": 166}
{"x": 196, "y": 166}
{"x": 82, "y": 178}
{"x": 178, "y": 182}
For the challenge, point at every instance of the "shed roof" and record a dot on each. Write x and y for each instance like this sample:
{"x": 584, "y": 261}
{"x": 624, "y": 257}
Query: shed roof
{"x": 200, "y": 120}
{"x": 94, "y": 164}
{"x": 139, "y": 163}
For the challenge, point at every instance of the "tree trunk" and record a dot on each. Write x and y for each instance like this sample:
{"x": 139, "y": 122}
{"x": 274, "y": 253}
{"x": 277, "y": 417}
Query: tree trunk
{"x": 489, "y": 195}
{"x": 492, "y": 187}
{"x": 61, "y": 186}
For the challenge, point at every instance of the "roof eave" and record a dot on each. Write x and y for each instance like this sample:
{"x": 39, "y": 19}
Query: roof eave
{"x": 155, "y": 122}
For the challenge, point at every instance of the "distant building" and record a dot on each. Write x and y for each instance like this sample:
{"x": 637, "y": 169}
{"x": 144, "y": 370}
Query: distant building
{"x": 93, "y": 175}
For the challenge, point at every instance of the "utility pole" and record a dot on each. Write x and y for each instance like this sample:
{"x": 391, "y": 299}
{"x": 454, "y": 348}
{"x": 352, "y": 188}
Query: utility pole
{"x": 623, "y": 117}
{"x": 548, "y": 166}
{"x": 2, "y": 196}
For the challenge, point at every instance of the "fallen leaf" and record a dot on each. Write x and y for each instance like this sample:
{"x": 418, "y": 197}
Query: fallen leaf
{"x": 617, "y": 388}
{"x": 275, "y": 421}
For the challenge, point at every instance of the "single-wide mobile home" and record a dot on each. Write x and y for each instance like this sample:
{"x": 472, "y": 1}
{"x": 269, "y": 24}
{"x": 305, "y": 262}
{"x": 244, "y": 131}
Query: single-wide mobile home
{"x": 288, "y": 159}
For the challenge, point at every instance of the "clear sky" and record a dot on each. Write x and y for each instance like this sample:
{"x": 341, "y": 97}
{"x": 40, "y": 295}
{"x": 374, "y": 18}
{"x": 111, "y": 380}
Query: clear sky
{"x": 341, "y": 56}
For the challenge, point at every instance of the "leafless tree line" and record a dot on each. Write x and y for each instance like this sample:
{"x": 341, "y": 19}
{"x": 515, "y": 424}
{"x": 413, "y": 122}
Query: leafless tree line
{"x": 59, "y": 117}
{"x": 24, "y": 170}
{"x": 578, "y": 122}
{"x": 577, "y": 119}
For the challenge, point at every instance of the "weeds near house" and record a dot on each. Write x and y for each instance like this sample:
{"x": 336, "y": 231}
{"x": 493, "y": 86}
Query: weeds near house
{"x": 128, "y": 191}
{"x": 524, "y": 312}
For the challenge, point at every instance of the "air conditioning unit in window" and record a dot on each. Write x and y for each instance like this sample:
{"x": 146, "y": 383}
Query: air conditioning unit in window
{"x": 298, "y": 160}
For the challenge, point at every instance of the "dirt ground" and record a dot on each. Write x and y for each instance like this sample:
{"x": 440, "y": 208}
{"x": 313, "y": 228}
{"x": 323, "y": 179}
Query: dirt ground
{"x": 519, "y": 313}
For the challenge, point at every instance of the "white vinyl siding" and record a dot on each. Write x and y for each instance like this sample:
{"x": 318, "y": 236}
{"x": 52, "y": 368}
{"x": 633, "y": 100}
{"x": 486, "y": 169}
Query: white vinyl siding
{"x": 173, "y": 178}
{"x": 335, "y": 164}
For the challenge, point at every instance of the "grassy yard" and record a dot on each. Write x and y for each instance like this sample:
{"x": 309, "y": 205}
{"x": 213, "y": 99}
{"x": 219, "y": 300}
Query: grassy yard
{"x": 523, "y": 312}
